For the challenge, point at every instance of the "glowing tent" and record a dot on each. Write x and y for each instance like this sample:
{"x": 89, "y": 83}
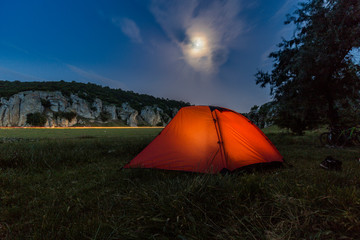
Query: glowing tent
{"x": 207, "y": 139}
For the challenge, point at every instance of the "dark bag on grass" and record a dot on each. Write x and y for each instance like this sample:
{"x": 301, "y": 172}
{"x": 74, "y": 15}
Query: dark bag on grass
{"x": 331, "y": 164}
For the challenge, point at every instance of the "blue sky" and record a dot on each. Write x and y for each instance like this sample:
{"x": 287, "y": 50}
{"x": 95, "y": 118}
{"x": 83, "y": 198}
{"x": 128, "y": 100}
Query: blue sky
{"x": 202, "y": 51}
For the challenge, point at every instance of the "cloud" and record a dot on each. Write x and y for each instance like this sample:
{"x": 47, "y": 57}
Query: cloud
{"x": 286, "y": 9}
{"x": 89, "y": 75}
{"x": 129, "y": 28}
{"x": 286, "y": 32}
{"x": 8, "y": 74}
{"x": 203, "y": 30}
{"x": 7, "y": 44}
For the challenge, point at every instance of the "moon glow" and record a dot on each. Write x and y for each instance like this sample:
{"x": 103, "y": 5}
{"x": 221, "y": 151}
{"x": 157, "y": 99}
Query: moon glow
{"x": 198, "y": 46}
{"x": 197, "y": 50}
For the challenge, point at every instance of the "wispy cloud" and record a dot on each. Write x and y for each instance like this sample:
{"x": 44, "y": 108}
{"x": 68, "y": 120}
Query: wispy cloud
{"x": 89, "y": 75}
{"x": 203, "y": 30}
{"x": 285, "y": 32}
{"x": 8, "y": 74}
{"x": 129, "y": 28}
{"x": 285, "y": 9}
{"x": 13, "y": 46}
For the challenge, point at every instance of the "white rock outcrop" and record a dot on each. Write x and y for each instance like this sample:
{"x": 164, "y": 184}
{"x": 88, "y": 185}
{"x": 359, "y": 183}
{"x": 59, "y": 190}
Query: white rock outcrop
{"x": 111, "y": 110}
{"x": 97, "y": 107}
{"x": 127, "y": 114}
{"x": 81, "y": 107}
{"x": 54, "y": 106}
{"x": 151, "y": 115}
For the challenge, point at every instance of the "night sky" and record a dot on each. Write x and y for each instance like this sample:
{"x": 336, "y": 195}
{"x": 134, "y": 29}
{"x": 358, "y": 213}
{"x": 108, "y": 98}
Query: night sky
{"x": 205, "y": 52}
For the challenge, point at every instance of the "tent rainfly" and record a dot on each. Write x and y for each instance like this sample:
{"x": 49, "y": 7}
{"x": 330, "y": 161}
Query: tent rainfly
{"x": 209, "y": 140}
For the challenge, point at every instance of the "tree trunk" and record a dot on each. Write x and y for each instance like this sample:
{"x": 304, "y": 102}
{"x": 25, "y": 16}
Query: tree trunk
{"x": 332, "y": 113}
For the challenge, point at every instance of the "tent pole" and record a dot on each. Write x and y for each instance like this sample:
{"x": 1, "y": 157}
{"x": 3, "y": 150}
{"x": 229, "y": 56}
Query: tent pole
{"x": 218, "y": 132}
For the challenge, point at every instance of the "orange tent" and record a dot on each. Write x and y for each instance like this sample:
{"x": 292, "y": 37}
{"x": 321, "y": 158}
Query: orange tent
{"x": 207, "y": 139}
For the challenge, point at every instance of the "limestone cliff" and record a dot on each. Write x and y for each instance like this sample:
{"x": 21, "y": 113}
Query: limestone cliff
{"x": 60, "y": 110}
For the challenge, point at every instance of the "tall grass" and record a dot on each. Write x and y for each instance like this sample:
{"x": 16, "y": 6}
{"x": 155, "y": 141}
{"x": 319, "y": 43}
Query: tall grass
{"x": 74, "y": 188}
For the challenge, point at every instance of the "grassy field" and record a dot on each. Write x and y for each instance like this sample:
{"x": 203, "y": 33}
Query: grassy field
{"x": 61, "y": 133}
{"x": 68, "y": 184}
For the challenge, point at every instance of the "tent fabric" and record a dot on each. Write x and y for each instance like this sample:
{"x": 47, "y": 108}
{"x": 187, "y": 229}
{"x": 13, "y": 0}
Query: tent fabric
{"x": 207, "y": 139}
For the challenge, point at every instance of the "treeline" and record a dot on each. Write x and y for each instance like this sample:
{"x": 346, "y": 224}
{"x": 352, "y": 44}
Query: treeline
{"x": 89, "y": 92}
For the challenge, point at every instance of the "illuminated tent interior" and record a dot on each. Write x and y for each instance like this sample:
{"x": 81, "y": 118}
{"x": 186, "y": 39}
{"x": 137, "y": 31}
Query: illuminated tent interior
{"x": 208, "y": 140}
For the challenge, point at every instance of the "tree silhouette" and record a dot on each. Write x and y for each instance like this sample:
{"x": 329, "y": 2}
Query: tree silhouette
{"x": 314, "y": 77}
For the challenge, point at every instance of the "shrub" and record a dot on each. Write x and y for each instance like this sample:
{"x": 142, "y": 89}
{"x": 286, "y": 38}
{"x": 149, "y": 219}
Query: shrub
{"x": 36, "y": 119}
{"x": 104, "y": 116}
{"x": 46, "y": 103}
{"x": 165, "y": 118}
{"x": 68, "y": 115}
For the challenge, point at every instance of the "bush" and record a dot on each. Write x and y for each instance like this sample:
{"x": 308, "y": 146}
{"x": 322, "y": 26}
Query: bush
{"x": 46, "y": 103}
{"x": 36, "y": 119}
{"x": 105, "y": 116}
{"x": 68, "y": 115}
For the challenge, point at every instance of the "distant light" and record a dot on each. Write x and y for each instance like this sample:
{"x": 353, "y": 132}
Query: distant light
{"x": 51, "y": 128}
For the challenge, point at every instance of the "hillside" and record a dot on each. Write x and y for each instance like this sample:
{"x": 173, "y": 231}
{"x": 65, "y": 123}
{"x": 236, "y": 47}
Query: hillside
{"x": 89, "y": 92}
{"x": 71, "y": 103}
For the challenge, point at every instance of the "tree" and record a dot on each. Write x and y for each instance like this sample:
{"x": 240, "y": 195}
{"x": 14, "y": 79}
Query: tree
{"x": 261, "y": 116}
{"x": 314, "y": 77}
{"x": 253, "y": 115}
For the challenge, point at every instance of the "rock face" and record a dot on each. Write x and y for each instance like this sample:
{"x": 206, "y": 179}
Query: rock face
{"x": 127, "y": 114}
{"x": 111, "y": 110}
{"x": 65, "y": 111}
{"x": 81, "y": 107}
{"x": 151, "y": 115}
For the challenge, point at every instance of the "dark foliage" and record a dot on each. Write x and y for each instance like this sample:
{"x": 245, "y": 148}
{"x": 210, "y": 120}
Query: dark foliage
{"x": 67, "y": 115}
{"x": 46, "y": 103}
{"x": 36, "y": 119}
{"x": 104, "y": 116}
{"x": 315, "y": 79}
{"x": 262, "y": 116}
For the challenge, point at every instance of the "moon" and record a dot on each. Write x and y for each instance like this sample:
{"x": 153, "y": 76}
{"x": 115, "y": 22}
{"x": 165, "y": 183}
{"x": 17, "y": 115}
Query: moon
{"x": 197, "y": 50}
{"x": 198, "y": 46}
{"x": 198, "y": 43}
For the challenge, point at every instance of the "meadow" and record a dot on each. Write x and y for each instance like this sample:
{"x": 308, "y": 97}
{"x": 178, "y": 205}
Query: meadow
{"x": 68, "y": 184}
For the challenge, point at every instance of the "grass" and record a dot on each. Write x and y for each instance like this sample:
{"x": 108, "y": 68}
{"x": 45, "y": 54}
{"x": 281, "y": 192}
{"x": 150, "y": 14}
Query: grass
{"x": 68, "y": 184}
{"x": 61, "y": 133}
